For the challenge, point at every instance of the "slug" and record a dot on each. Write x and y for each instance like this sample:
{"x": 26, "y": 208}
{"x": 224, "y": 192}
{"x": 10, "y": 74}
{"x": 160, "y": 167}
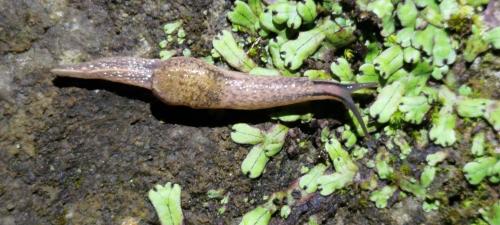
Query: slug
{"x": 194, "y": 83}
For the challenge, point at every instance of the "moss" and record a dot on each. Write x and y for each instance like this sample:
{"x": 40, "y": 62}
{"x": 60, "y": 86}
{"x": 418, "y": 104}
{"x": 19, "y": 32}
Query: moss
{"x": 405, "y": 169}
{"x": 78, "y": 182}
{"x": 61, "y": 219}
{"x": 460, "y": 24}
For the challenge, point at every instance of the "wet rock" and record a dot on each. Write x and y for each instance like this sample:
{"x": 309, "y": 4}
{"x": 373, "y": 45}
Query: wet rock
{"x": 24, "y": 21}
{"x": 492, "y": 13}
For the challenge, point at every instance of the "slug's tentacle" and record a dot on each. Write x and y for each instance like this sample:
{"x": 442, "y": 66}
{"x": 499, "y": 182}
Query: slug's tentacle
{"x": 343, "y": 92}
{"x": 126, "y": 70}
{"x": 358, "y": 86}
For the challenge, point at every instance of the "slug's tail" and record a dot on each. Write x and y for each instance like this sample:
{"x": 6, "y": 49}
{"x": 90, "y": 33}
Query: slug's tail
{"x": 343, "y": 92}
{"x": 126, "y": 70}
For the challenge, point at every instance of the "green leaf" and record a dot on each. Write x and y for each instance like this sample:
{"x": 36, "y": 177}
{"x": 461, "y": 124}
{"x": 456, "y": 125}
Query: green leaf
{"x": 431, "y": 93}
{"x": 325, "y": 134}
{"x": 384, "y": 170}
{"x": 389, "y": 61}
{"x": 432, "y": 14}
{"x": 480, "y": 168}
{"x": 422, "y": 69}
{"x": 381, "y": 196}
{"x": 428, "y": 176}
{"x": 448, "y": 8}
{"x": 492, "y": 114}
{"x": 331, "y": 183}
{"x": 167, "y": 54}
{"x": 313, "y": 220}
{"x": 443, "y": 128}
{"x": 285, "y": 211}
{"x": 342, "y": 69}
{"x": 259, "y": 71}
{"x": 404, "y": 146}
{"x": 447, "y": 97}
{"x": 442, "y": 52}
{"x": 387, "y": 101}
{"x": 309, "y": 182}
{"x": 281, "y": 11}
{"x": 423, "y": 39}
{"x": 317, "y": 75}
{"x": 438, "y": 72}
{"x": 357, "y": 125}
{"x": 381, "y": 8}
{"x": 474, "y": 46}
{"x": 359, "y": 152}
{"x": 304, "y": 118}
{"x": 226, "y": 46}
{"x": 258, "y": 216}
{"x": 384, "y": 10}
{"x": 186, "y": 52}
{"x": 170, "y": 28}
{"x": 215, "y": 194}
{"x": 256, "y": 6}
{"x": 181, "y": 35}
{"x": 411, "y": 55}
{"x": 423, "y": 3}
{"x": 340, "y": 33}
{"x": 430, "y": 206}
{"x": 401, "y": 75}
{"x": 434, "y": 159}
{"x": 435, "y": 42}
{"x": 307, "y": 10}
{"x": 255, "y": 162}
{"x": 167, "y": 203}
{"x": 492, "y": 214}
{"x": 404, "y": 36}
{"x": 388, "y": 26}
{"x": 274, "y": 139}
{"x": 407, "y": 13}
{"x": 369, "y": 74}
{"x": 296, "y": 51}
{"x": 243, "y": 15}
{"x": 477, "y": 148}
{"x": 414, "y": 188}
{"x": 294, "y": 20}
{"x": 469, "y": 107}
{"x": 245, "y": 134}
{"x": 493, "y": 37}
{"x": 266, "y": 21}
{"x": 340, "y": 157}
{"x": 374, "y": 49}
{"x": 163, "y": 44}
{"x": 274, "y": 50}
{"x": 414, "y": 108}
{"x": 349, "y": 137}
{"x": 345, "y": 169}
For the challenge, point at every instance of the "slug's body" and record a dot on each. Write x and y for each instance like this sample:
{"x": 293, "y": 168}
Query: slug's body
{"x": 197, "y": 84}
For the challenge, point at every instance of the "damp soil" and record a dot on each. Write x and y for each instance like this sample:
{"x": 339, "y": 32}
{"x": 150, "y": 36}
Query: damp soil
{"x": 87, "y": 152}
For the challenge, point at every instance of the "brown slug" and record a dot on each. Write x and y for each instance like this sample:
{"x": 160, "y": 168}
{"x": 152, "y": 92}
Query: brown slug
{"x": 193, "y": 82}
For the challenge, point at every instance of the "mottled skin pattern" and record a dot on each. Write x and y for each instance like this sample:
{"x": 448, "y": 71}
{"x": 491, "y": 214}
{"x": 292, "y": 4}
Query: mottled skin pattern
{"x": 187, "y": 82}
{"x": 197, "y": 84}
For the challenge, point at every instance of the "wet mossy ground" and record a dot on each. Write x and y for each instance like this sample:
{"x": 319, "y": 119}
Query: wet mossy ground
{"x": 87, "y": 152}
